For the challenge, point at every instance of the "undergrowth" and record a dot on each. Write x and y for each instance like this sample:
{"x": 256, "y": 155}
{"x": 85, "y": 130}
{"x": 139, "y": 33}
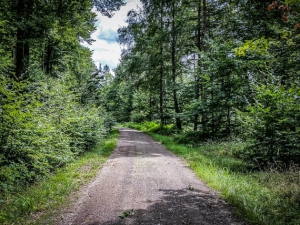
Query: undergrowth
{"x": 261, "y": 197}
{"x": 40, "y": 200}
{"x": 150, "y": 126}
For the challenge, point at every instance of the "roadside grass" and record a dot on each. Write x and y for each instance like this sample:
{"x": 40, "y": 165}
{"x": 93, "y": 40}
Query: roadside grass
{"x": 260, "y": 197}
{"x": 38, "y": 202}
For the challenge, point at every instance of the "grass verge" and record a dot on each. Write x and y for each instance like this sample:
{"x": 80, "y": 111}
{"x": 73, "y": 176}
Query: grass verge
{"x": 260, "y": 197}
{"x": 38, "y": 202}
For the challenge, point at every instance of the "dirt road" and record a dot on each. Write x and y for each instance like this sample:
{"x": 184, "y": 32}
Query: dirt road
{"x": 146, "y": 184}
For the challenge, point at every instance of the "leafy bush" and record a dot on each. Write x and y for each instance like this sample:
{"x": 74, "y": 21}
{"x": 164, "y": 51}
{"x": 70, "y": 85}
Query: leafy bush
{"x": 272, "y": 123}
{"x": 138, "y": 117}
{"x": 42, "y": 127}
{"x": 192, "y": 137}
{"x": 151, "y": 126}
{"x": 198, "y": 137}
{"x": 155, "y": 127}
{"x": 168, "y": 129}
{"x": 109, "y": 121}
{"x": 148, "y": 126}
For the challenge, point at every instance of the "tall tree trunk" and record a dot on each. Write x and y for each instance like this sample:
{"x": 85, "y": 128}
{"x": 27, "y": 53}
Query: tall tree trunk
{"x": 161, "y": 84}
{"x": 173, "y": 58}
{"x": 49, "y": 57}
{"x": 22, "y": 47}
{"x": 228, "y": 119}
{"x": 161, "y": 99}
{"x": 198, "y": 45}
{"x": 204, "y": 47}
{"x": 129, "y": 107}
{"x": 150, "y": 105}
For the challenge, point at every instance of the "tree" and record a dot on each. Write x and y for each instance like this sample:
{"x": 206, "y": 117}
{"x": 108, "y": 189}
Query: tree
{"x": 52, "y": 25}
{"x": 45, "y": 118}
{"x": 197, "y": 63}
{"x": 106, "y": 69}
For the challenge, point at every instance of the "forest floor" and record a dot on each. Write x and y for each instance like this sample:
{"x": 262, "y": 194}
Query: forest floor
{"x": 143, "y": 183}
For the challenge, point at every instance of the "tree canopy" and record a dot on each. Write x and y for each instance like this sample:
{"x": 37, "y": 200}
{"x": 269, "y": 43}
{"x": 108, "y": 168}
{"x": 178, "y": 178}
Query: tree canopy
{"x": 215, "y": 69}
{"x": 212, "y": 70}
{"x": 48, "y": 87}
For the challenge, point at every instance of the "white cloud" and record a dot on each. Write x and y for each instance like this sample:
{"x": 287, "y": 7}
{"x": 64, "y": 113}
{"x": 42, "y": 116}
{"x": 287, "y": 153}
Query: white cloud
{"x": 106, "y": 53}
{"x": 105, "y": 49}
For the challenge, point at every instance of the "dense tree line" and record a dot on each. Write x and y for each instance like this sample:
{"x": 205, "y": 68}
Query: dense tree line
{"x": 48, "y": 86}
{"x": 214, "y": 69}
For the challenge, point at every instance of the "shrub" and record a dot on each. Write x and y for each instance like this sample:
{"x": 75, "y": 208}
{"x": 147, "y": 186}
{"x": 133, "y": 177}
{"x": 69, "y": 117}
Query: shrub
{"x": 192, "y": 137}
{"x": 272, "y": 123}
{"x": 42, "y": 127}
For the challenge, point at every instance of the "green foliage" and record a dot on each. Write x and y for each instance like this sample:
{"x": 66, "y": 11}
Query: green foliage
{"x": 151, "y": 126}
{"x": 5, "y": 60}
{"x": 49, "y": 115}
{"x": 196, "y": 68}
{"x": 42, "y": 130}
{"x": 292, "y": 2}
{"x": 258, "y": 46}
{"x": 272, "y": 122}
{"x": 140, "y": 110}
{"x": 192, "y": 137}
{"x": 126, "y": 213}
{"x": 147, "y": 126}
{"x": 18, "y": 208}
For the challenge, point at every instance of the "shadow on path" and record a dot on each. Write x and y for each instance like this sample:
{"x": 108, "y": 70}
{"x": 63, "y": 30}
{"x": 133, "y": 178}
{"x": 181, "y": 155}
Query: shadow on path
{"x": 179, "y": 207}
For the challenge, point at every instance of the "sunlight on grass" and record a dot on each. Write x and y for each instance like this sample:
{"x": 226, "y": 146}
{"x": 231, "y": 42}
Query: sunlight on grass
{"x": 259, "y": 197}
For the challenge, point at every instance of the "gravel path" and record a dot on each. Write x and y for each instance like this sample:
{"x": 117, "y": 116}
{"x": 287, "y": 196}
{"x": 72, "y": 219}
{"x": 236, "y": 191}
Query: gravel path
{"x": 147, "y": 185}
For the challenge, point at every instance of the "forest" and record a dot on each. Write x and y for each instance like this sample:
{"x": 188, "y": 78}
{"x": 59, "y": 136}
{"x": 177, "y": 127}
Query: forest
{"x": 50, "y": 111}
{"x": 200, "y": 71}
{"x": 214, "y": 70}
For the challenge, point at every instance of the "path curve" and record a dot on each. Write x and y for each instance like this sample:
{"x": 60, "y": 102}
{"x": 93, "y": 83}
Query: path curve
{"x": 152, "y": 184}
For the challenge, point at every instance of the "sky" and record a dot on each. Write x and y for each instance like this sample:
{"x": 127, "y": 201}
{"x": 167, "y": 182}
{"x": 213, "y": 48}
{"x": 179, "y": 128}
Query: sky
{"x": 106, "y": 49}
